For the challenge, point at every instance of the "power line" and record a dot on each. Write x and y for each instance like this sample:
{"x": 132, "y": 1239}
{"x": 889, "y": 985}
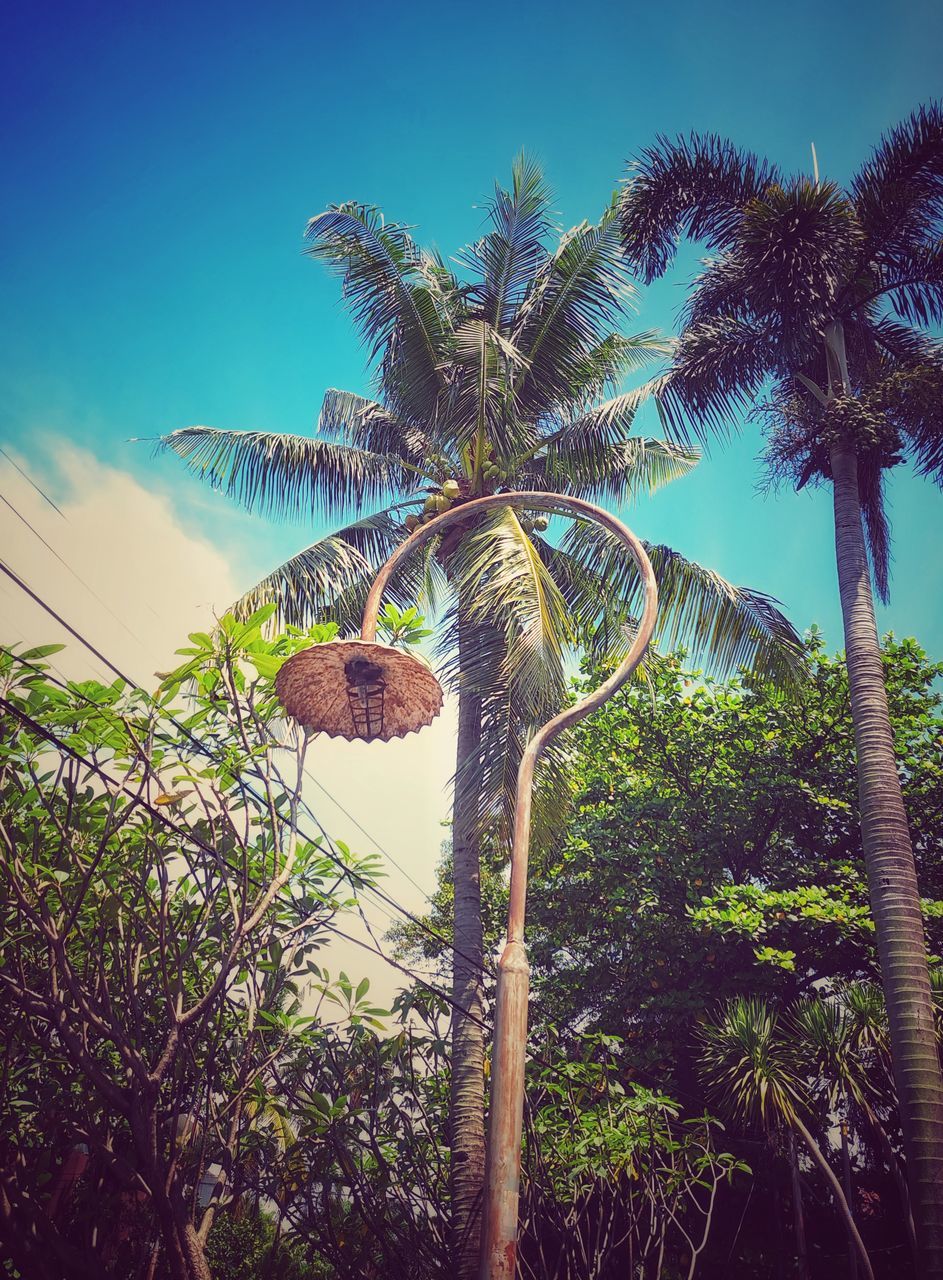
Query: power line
{"x": 65, "y": 564}
{"x": 82, "y": 640}
{"x": 360, "y": 827}
{"x": 201, "y": 746}
{"x": 29, "y": 480}
{"x": 192, "y": 838}
{"x": 348, "y": 872}
{"x": 164, "y": 819}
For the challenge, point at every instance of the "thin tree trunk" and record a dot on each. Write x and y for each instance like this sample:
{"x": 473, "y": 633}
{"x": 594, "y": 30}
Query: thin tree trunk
{"x": 897, "y": 1173}
{"x": 892, "y": 876}
{"x": 839, "y": 1196}
{"x": 798, "y": 1218}
{"x": 849, "y": 1196}
{"x": 467, "y": 1096}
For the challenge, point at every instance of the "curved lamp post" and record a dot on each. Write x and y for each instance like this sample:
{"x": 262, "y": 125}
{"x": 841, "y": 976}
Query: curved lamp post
{"x": 362, "y": 689}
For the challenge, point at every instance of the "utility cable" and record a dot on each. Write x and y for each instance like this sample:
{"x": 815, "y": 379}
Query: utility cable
{"x": 133, "y": 684}
{"x": 202, "y": 747}
{"x": 29, "y": 480}
{"x": 65, "y": 564}
{"x": 61, "y": 745}
{"x": 188, "y": 835}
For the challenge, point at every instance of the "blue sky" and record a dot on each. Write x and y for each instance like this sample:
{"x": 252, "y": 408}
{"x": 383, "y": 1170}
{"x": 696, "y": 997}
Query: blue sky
{"x": 160, "y": 163}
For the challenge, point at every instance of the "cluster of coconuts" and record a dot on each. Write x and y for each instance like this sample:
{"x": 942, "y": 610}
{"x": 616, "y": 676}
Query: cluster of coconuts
{"x": 435, "y": 504}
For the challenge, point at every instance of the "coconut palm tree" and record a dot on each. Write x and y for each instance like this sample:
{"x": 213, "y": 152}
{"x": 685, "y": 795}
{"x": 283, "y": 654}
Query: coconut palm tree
{"x": 823, "y": 296}
{"x": 756, "y": 1071}
{"x": 500, "y": 371}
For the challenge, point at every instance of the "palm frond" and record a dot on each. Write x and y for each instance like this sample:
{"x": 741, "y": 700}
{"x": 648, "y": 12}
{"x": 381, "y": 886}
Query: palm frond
{"x": 596, "y": 454}
{"x": 286, "y": 475}
{"x": 570, "y": 309}
{"x": 718, "y": 369}
{"x": 480, "y": 366}
{"x": 913, "y": 285}
{"x": 696, "y": 186}
{"x": 607, "y": 365}
{"x": 719, "y": 292}
{"x": 898, "y": 194}
{"x": 877, "y": 530}
{"x": 510, "y": 713}
{"x": 506, "y": 258}
{"x": 364, "y": 424}
{"x": 329, "y": 580}
{"x": 795, "y": 246}
{"x": 396, "y": 301}
{"x": 915, "y": 406}
{"x": 724, "y": 626}
{"x": 496, "y": 570}
{"x": 904, "y": 345}
{"x": 621, "y": 472}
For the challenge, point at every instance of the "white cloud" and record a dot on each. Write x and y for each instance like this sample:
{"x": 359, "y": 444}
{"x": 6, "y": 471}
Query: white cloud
{"x": 145, "y": 579}
{"x": 156, "y": 579}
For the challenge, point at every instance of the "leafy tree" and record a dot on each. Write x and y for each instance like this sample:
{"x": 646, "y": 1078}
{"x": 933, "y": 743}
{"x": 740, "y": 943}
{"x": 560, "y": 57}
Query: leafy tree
{"x": 160, "y": 913}
{"x": 505, "y": 374}
{"x": 827, "y": 293}
{"x": 614, "y": 1177}
{"x": 713, "y": 849}
{"x": 615, "y": 1181}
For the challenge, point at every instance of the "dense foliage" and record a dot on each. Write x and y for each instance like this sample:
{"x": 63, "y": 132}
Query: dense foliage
{"x": 161, "y": 909}
{"x": 715, "y": 850}
{"x": 714, "y": 855}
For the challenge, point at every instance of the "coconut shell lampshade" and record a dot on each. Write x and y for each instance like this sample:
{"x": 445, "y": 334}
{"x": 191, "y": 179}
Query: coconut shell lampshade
{"x": 359, "y": 689}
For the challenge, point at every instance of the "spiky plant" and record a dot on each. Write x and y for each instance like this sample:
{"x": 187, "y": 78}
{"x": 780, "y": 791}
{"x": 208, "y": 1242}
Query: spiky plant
{"x": 822, "y": 297}
{"x": 501, "y": 372}
{"x": 753, "y": 1066}
{"x": 843, "y": 1039}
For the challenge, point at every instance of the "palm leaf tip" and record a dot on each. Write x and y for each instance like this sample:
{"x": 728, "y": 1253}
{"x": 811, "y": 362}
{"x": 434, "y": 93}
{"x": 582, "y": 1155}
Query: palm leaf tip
{"x": 284, "y": 475}
{"x": 696, "y": 185}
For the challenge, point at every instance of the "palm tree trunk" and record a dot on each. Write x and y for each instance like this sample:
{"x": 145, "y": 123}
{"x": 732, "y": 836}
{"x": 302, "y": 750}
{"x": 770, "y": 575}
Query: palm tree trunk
{"x": 467, "y": 1091}
{"x": 839, "y": 1196}
{"x": 892, "y": 875}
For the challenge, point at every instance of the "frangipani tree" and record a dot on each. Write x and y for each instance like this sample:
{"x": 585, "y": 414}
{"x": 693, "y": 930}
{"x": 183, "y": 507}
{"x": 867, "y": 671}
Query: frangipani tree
{"x": 502, "y": 370}
{"x": 824, "y": 296}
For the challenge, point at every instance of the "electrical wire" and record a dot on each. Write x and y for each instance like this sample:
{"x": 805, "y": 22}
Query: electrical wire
{"x": 201, "y": 746}
{"x": 348, "y": 872}
{"x": 29, "y": 480}
{"x": 189, "y": 835}
{"x": 65, "y": 564}
{"x": 484, "y": 969}
{"x": 61, "y": 745}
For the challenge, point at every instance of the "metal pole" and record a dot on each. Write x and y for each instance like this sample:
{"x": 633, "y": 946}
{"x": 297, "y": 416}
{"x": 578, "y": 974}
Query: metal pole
{"x": 502, "y": 1174}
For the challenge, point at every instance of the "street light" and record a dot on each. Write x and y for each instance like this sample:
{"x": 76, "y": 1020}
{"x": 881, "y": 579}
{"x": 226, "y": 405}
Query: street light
{"x": 361, "y": 689}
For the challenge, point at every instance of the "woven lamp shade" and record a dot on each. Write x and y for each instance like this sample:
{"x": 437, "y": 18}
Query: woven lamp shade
{"x": 358, "y": 689}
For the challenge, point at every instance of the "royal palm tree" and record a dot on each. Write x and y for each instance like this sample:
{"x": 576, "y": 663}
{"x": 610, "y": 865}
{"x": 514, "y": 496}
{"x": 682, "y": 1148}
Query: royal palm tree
{"x": 821, "y": 296}
{"x": 502, "y": 371}
{"x": 755, "y": 1069}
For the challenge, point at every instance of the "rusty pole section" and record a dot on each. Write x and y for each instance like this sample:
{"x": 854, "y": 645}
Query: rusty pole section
{"x": 499, "y": 1240}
